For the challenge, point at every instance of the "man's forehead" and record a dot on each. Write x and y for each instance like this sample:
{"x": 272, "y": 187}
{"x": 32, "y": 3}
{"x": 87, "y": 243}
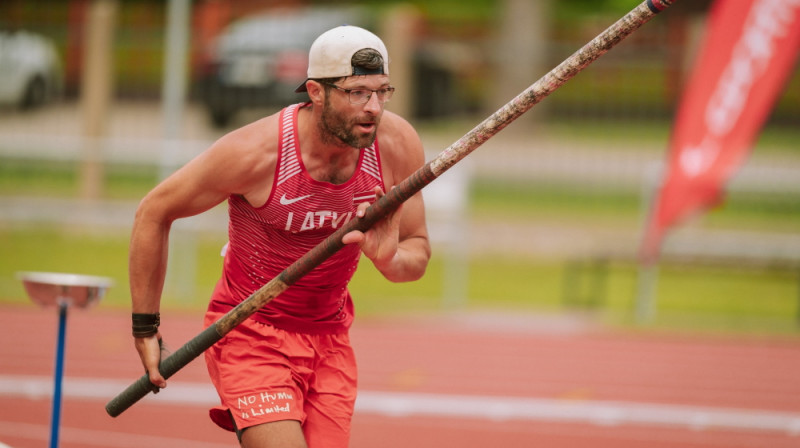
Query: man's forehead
{"x": 367, "y": 81}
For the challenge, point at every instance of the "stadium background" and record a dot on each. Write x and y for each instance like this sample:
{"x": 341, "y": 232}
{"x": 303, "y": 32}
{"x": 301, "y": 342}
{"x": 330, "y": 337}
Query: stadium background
{"x": 542, "y": 222}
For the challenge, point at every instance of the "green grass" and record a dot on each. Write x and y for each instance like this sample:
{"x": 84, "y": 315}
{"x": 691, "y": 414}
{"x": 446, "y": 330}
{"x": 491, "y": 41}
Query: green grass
{"x": 37, "y": 178}
{"x": 60, "y": 179}
{"x": 522, "y": 201}
{"x": 773, "y": 138}
{"x": 733, "y": 299}
{"x": 693, "y": 298}
{"x": 526, "y": 201}
{"x": 44, "y": 248}
{"x": 508, "y": 200}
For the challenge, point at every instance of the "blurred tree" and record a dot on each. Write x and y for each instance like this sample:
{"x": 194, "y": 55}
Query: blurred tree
{"x": 520, "y": 56}
{"x": 575, "y": 9}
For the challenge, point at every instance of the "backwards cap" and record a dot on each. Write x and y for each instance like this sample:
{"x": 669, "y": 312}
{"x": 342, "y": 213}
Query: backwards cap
{"x": 331, "y": 54}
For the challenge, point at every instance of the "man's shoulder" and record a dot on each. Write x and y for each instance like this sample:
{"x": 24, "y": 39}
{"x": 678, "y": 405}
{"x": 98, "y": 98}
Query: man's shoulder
{"x": 396, "y": 133}
{"x": 400, "y": 146}
{"x": 259, "y": 135}
{"x": 395, "y": 123}
{"x": 250, "y": 150}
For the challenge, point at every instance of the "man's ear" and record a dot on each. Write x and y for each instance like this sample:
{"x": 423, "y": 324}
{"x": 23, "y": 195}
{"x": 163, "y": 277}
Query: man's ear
{"x": 316, "y": 92}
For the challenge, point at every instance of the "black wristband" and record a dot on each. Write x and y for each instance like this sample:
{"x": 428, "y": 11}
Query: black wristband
{"x": 145, "y": 325}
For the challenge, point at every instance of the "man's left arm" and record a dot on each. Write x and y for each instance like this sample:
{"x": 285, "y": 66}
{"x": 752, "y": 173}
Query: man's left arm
{"x": 413, "y": 250}
{"x": 398, "y": 245}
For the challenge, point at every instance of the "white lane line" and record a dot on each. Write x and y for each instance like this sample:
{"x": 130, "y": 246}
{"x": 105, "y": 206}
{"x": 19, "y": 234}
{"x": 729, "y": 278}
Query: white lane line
{"x": 398, "y": 404}
{"x": 103, "y": 389}
{"x": 605, "y": 413}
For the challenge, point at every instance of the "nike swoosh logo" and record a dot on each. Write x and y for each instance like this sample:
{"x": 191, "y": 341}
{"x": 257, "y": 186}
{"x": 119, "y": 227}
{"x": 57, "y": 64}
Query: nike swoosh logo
{"x": 285, "y": 201}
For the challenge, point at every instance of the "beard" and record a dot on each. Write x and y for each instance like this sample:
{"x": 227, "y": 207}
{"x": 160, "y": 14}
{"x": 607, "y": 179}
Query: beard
{"x": 335, "y": 128}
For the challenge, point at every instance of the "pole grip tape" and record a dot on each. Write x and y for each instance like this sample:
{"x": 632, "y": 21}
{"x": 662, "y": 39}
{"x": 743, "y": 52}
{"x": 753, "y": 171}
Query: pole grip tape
{"x": 168, "y": 367}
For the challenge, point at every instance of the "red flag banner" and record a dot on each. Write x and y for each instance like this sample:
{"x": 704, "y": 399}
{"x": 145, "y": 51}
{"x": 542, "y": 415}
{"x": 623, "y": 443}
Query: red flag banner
{"x": 746, "y": 57}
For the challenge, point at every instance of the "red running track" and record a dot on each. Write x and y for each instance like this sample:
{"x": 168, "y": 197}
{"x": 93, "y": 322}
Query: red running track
{"x": 525, "y": 363}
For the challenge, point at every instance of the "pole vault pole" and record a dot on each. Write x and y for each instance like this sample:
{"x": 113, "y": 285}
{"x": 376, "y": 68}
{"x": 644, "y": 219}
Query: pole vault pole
{"x": 395, "y": 197}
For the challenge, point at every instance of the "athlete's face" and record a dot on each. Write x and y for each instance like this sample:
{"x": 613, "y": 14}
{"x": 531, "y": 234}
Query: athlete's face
{"x": 355, "y": 125}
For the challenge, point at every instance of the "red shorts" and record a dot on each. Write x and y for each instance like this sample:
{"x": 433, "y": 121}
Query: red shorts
{"x": 264, "y": 374}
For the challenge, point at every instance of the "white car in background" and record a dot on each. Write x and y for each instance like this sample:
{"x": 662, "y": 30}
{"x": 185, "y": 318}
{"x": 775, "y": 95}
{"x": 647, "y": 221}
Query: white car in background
{"x": 30, "y": 70}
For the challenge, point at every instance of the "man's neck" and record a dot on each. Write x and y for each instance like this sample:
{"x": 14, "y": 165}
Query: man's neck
{"x": 326, "y": 159}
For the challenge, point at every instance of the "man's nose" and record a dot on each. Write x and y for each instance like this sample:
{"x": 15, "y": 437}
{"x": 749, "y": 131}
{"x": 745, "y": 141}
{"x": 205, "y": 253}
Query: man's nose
{"x": 373, "y": 104}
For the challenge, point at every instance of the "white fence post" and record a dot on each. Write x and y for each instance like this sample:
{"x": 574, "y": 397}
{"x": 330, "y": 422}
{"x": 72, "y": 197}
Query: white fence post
{"x": 647, "y": 274}
{"x": 182, "y": 264}
{"x": 446, "y": 201}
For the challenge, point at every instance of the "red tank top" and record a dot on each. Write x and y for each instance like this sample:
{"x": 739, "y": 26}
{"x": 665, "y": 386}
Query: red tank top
{"x": 299, "y": 213}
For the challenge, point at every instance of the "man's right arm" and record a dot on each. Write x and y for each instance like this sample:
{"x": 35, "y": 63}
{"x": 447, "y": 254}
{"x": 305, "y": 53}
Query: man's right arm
{"x": 236, "y": 164}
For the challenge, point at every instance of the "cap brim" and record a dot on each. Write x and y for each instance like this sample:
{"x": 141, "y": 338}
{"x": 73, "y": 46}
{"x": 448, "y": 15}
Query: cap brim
{"x": 302, "y": 87}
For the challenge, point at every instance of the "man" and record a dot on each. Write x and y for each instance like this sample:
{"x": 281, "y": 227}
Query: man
{"x": 286, "y": 376}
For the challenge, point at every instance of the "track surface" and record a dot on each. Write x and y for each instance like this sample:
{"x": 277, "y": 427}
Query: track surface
{"x": 452, "y": 381}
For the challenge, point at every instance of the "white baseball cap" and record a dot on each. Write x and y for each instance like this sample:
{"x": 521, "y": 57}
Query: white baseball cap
{"x": 331, "y": 53}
